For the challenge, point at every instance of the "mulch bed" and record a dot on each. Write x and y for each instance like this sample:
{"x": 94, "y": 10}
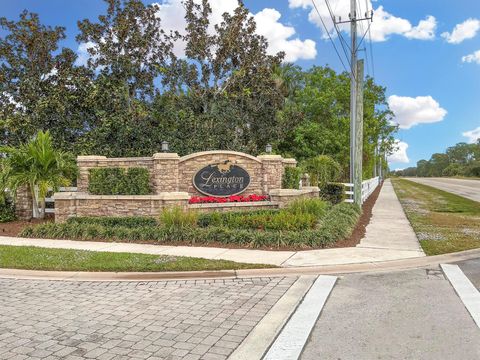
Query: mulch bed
{"x": 15, "y": 227}
{"x": 360, "y": 229}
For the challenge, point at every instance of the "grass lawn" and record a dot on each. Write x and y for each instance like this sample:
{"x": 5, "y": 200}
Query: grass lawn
{"x": 36, "y": 258}
{"x": 443, "y": 222}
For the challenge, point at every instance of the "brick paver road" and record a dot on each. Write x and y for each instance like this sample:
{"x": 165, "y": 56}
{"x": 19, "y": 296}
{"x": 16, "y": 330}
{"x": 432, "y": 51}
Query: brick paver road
{"x": 204, "y": 319}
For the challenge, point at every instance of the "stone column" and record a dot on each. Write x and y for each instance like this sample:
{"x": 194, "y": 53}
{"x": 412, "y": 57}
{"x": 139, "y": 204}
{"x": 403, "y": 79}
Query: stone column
{"x": 165, "y": 172}
{"x": 272, "y": 168}
{"x": 23, "y": 204}
{"x": 85, "y": 163}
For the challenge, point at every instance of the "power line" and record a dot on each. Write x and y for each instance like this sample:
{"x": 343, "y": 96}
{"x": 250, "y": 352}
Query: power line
{"x": 370, "y": 43}
{"x": 339, "y": 34}
{"x": 329, "y": 36}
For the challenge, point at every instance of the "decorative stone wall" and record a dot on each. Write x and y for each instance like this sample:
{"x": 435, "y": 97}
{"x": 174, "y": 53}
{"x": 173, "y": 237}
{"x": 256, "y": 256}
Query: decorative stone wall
{"x": 70, "y": 204}
{"x": 171, "y": 179}
{"x": 169, "y": 172}
{"x": 284, "y": 196}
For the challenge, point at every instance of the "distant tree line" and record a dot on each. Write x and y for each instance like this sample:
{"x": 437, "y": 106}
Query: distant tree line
{"x": 135, "y": 91}
{"x": 461, "y": 159}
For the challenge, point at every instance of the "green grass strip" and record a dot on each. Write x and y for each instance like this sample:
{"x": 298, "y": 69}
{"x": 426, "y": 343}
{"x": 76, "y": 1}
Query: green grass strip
{"x": 444, "y": 222}
{"x": 37, "y": 258}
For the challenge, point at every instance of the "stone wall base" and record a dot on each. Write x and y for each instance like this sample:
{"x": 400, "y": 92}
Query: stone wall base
{"x": 285, "y": 196}
{"x": 78, "y": 204}
{"x": 75, "y": 204}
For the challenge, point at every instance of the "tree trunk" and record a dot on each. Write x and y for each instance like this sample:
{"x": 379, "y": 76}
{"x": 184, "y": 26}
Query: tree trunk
{"x": 42, "y": 208}
{"x": 36, "y": 213}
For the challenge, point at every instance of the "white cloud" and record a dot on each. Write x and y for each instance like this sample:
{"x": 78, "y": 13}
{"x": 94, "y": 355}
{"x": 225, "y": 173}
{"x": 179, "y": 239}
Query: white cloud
{"x": 472, "y": 58}
{"x": 466, "y": 30}
{"x": 425, "y": 30}
{"x": 411, "y": 111}
{"x": 400, "y": 154}
{"x": 472, "y": 135}
{"x": 279, "y": 36}
{"x": 384, "y": 24}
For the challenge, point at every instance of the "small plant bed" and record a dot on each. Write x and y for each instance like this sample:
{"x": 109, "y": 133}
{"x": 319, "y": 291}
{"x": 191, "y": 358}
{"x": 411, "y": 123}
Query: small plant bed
{"x": 443, "y": 222}
{"x": 36, "y": 258}
{"x": 228, "y": 199}
{"x": 306, "y": 223}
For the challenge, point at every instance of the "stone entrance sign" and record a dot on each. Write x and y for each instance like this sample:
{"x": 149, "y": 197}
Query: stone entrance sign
{"x": 221, "y": 179}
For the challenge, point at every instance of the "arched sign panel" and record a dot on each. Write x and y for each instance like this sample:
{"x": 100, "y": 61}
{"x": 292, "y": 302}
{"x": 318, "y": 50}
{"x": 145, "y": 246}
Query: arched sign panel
{"x": 221, "y": 179}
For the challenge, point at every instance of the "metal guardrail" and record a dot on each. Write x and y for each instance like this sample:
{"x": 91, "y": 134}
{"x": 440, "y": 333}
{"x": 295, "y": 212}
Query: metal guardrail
{"x": 50, "y": 201}
{"x": 368, "y": 187}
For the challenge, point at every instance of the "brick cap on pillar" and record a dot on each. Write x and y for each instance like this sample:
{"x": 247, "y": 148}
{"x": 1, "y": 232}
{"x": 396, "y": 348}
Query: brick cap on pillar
{"x": 270, "y": 157}
{"x": 167, "y": 156}
{"x": 90, "y": 157}
{"x": 290, "y": 161}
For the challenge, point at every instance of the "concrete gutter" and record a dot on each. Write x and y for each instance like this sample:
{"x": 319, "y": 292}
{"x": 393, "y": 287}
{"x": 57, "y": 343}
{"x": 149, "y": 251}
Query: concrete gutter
{"x": 394, "y": 265}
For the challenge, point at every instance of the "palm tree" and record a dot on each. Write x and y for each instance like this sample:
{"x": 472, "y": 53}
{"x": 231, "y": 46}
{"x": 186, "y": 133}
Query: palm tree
{"x": 40, "y": 167}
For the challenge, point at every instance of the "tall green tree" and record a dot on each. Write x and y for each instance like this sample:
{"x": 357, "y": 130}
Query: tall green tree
{"x": 317, "y": 119}
{"x": 40, "y": 88}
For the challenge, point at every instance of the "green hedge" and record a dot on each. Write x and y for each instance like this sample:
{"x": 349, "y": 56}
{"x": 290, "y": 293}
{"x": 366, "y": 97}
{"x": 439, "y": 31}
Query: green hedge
{"x": 337, "y": 224}
{"x": 119, "y": 181}
{"x": 333, "y": 192}
{"x": 291, "y": 178}
{"x": 7, "y": 212}
{"x": 268, "y": 220}
{"x": 128, "y": 221}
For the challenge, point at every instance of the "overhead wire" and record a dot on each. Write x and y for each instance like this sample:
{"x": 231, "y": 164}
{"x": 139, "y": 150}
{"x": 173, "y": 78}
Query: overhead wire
{"x": 331, "y": 40}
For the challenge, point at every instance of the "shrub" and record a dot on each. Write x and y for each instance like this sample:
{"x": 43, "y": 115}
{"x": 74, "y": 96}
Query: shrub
{"x": 128, "y": 221}
{"x": 261, "y": 220}
{"x": 316, "y": 207}
{"x": 337, "y": 224}
{"x": 333, "y": 192}
{"x": 7, "y": 212}
{"x": 117, "y": 181}
{"x": 291, "y": 178}
{"x": 176, "y": 217}
{"x": 322, "y": 169}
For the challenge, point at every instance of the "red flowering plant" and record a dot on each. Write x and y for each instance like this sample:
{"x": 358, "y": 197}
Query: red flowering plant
{"x": 228, "y": 199}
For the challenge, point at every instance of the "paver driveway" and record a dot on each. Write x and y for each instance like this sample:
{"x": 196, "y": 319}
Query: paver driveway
{"x": 202, "y": 319}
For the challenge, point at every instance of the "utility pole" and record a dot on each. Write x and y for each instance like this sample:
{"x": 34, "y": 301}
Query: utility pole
{"x": 356, "y": 103}
{"x": 358, "y": 156}
{"x": 353, "y": 85}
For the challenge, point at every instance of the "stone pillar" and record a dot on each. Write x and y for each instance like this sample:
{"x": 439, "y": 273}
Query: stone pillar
{"x": 165, "y": 172}
{"x": 289, "y": 162}
{"x": 85, "y": 163}
{"x": 23, "y": 204}
{"x": 272, "y": 168}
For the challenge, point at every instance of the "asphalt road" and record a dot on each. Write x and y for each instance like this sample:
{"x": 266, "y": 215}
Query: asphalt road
{"x": 467, "y": 188}
{"x": 398, "y": 315}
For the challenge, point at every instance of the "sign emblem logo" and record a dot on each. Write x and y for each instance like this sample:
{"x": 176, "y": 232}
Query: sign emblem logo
{"x": 221, "y": 179}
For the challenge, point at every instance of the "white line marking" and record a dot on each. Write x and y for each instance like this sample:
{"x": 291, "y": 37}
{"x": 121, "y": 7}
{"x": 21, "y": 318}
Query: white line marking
{"x": 464, "y": 289}
{"x": 291, "y": 341}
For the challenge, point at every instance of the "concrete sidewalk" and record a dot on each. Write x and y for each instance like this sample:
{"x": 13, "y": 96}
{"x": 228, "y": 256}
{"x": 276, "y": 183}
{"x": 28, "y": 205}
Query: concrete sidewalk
{"x": 389, "y": 237}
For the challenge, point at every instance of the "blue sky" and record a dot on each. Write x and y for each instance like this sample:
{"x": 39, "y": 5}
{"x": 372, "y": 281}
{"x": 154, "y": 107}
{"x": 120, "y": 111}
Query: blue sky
{"x": 426, "y": 53}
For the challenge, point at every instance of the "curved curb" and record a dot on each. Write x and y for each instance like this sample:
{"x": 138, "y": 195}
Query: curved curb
{"x": 392, "y": 265}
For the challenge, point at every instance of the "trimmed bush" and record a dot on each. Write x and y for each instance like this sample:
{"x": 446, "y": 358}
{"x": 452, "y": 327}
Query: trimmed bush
{"x": 291, "y": 178}
{"x": 128, "y": 221}
{"x": 333, "y": 192}
{"x": 7, "y": 212}
{"x": 337, "y": 224}
{"x": 119, "y": 181}
{"x": 266, "y": 220}
{"x": 322, "y": 169}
